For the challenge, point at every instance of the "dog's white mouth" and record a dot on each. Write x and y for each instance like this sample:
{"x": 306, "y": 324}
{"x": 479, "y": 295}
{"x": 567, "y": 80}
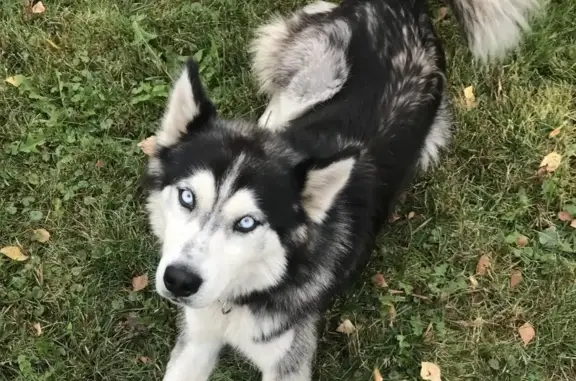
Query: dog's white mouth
{"x": 178, "y": 301}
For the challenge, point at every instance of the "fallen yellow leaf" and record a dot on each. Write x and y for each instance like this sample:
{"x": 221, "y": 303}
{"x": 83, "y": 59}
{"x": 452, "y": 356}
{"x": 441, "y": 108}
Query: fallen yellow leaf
{"x": 555, "y": 132}
{"x": 346, "y": 327}
{"x": 38, "y": 8}
{"x": 40, "y": 235}
{"x": 411, "y": 215}
{"x": 37, "y": 328}
{"x": 522, "y": 241}
{"x": 515, "y": 278}
{"x": 565, "y": 216}
{"x": 469, "y": 97}
{"x": 527, "y": 333}
{"x": 430, "y": 371}
{"x": 469, "y": 93}
{"x": 148, "y": 145}
{"x": 551, "y": 162}
{"x": 573, "y": 224}
{"x": 14, "y": 253}
{"x": 139, "y": 282}
{"x": 483, "y": 265}
{"x": 15, "y": 81}
{"x": 377, "y": 375}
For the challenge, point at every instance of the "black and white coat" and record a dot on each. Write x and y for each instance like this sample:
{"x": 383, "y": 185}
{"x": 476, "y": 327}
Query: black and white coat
{"x": 262, "y": 225}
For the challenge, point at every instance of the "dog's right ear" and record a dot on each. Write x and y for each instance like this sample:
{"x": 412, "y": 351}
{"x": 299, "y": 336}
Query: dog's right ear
{"x": 189, "y": 109}
{"x": 321, "y": 179}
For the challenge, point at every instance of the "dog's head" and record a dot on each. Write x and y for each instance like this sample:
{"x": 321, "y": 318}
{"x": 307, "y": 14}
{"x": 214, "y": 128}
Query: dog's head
{"x": 229, "y": 201}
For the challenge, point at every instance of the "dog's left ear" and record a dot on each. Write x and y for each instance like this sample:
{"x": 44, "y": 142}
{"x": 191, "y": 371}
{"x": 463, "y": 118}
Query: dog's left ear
{"x": 322, "y": 179}
{"x": 188, "y": 110}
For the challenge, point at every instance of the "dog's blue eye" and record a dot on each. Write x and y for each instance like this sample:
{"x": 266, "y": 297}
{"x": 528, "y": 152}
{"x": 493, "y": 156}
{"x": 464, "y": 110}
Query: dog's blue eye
{"x": 186, "y": 198}
{"x": 246, "y": 224}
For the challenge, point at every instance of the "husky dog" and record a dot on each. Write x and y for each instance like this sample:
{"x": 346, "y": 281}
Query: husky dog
{"x": 262, "y": 224}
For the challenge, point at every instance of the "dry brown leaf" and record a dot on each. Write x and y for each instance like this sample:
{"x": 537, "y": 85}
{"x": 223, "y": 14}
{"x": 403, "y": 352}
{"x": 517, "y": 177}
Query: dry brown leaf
{"x": 391, "y": 315}
{"x": 139, "y": 282}
{"x": 380, "y": 281}
{"x": 346, "y": 327}
{"x": 483, "y": 265}
{"x": 527, "y": 333}
{"x": 396, "y": 292}
{"x": 473, "y": 282}
{"x": 522, "y": 241}
{"x": 148, "y": 145}
{"x": 99, "y": 164}
{"x": 38, "y": 8}
{"x": 573, "y": 223}
{"x": 377, "y": 375}
{"x": 145, "y": 359}
{"x": 40, "y": 235}
{"x": 430, "y": 371}
{"x": 565, "y": 216}
{"x": 469, "y": 97}
{"x": 411, "y": 215}
{"x": 551, "y": 162}
{"x": 515, "y": 278}
{"x": 393, "y": 218}
{"x": 37, "y": 328}
{"x": 555, "y": 132}
{"x": 14, "y": 253}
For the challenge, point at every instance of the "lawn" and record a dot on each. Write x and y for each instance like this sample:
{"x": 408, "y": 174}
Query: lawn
{"x": 91, "y": 80}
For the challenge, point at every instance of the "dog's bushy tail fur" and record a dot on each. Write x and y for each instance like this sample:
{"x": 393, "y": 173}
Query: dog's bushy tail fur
{"x": 493, "y": 27}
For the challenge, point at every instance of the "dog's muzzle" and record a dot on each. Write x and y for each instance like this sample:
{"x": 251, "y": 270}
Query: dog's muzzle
{"x": 181, "y": 282}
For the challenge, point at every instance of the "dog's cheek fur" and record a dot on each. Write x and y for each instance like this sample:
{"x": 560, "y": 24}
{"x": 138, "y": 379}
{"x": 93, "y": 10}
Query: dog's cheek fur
{"x": 156, "y": 219}
{"x": 263, "y": 264}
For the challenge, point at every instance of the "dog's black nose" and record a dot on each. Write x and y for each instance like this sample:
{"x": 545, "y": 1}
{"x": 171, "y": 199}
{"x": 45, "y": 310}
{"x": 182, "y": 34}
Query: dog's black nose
{"x": 180, "y": 281}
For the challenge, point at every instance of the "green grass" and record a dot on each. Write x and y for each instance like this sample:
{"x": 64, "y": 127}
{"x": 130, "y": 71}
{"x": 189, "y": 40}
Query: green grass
{"x": 96, "y": 75}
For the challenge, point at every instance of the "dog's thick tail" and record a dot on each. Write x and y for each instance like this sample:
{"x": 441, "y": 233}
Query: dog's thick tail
{"x": 493, "y": 27}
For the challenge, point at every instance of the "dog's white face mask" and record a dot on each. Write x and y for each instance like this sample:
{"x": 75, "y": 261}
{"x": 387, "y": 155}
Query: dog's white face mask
{"x": 216, "y": 243}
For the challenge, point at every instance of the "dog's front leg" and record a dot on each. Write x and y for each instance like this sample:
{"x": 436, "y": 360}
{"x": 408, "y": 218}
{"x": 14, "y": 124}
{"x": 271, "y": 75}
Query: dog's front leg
{"x": 194, "y": 356}
{"x": 295, "y": 364}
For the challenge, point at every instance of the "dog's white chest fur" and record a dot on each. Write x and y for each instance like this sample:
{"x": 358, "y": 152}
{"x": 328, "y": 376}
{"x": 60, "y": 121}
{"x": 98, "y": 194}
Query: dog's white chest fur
{"x": 241, "y": 329}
